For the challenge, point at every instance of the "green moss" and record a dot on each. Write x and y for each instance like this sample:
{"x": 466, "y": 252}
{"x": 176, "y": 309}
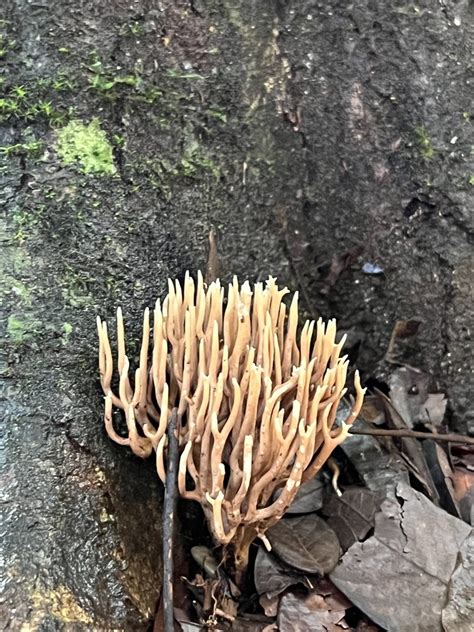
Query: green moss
{"x": 193, "y": 163}
{"x": 23, "y": 328}
{"x": 75, "y": 288}
{"x": 21, "y": 149}
{"x": 20, "y": 330}
{"x": 424, "y": 143}
{"x": 6, "y": 44}
{"x": 25, "y": 220}
{"x": 106, "y": 82}
{"x": 86, "y": 145}
{"x": 67, "y": 331}
{"x": 133, "y": 28}
{"x": 32, "y": 100}
{"x": 220, "y": 115}
{"x": 21, "y": 291}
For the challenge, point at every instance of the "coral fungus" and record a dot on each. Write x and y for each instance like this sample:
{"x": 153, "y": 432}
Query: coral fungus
{"x": 256, "y": 400}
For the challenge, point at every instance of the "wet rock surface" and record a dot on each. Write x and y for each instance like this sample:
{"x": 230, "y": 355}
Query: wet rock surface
{"x": 301, "y": 132}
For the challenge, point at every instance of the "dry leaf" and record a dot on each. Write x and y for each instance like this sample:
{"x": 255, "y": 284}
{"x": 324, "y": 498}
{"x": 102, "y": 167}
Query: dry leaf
{"x": 411, "y": 450}
{"x": 351, "y": 515}
{"x": 379, "y": 470}
{"x": 464, "y": 493}
{"x": 252, "y": 623}
{"x": 272, "y": 576}
{"x": 433, "y": 409}
{"x": 269, "y": 605}
{"x": 458, "y": 615}
{"x": 442, "y": 475}
{"x": 306, "y": 543}
{"x": 400, "y": 577}
{"x": 309, "y": 497}
{"x": 408, "y": 392}
{"x": 406, "y": 328}
{"x": 310, "y": 613}
{"x": 373, "y": 410}
{"x": 403, "y": 329}
{"x": 340, "y": 263}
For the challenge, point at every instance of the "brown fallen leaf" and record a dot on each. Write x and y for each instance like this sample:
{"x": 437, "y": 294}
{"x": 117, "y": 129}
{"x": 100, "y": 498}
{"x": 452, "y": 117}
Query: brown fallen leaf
{"x": 253, "y": 623}
{"x": 214, "y": 264}
{"x": 313, "y": 612}
{"x": 442, "y": 475}
{"x": 308, "y": 499}
{"x": 463, "y": 455}
{"x": 340, "y": 263}
{"x": 351, "y": 515}
{"x": 379, "y": 469}
{"x": 373, "y": 410}
{"x": 464, "y": 492}
{"x": 335, "y": 599}
{"x": 400, "y": 577}
{"x": 305, "y": 542}
{"x": 272, "y": 576}
{"x": 410, "y": 449}
{"x": 406, "y": 328}
{"x": 270, "y": 605}
{"x": 402, "y": 330}
{"x": 408, "y": 392}
{"x": 433, "y": 409}
{"x": 458, "y": 614}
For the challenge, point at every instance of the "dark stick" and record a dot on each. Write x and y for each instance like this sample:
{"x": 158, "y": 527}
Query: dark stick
{"x": 169, "y": 507}
{"x": 414, "y": 434}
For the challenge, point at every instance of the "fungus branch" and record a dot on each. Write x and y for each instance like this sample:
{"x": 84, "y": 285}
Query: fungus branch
{"x": 256, "y": 400}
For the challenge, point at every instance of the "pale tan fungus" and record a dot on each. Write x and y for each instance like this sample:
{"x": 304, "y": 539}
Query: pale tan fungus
{"x": 256, "y": 402}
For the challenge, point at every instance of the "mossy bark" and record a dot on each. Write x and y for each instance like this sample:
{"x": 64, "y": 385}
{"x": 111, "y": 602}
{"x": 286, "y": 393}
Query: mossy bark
{"x": 292, "y": 129}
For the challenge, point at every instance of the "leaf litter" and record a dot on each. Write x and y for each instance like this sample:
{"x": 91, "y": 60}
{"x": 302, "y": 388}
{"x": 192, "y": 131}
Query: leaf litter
{"x": 309, "y": 497}
{"x": 323, "y": 608}
{"x": 351, "y": 515}
{"x": 272, "y": 576}
{"x": 406, "y": 562}
{"x": 305, "y": 542}
{"x": 400, "y": 577}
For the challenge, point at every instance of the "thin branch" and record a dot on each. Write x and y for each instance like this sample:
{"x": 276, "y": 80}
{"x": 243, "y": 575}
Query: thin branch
{"x": 169, "y": 507}
{"x": 413, "y": 434}
{"x": 214, "y": 264}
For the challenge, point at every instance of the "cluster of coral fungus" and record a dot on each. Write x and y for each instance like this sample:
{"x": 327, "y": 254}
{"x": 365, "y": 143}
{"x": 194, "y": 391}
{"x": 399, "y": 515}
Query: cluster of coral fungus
{"x": 256, "y": 399}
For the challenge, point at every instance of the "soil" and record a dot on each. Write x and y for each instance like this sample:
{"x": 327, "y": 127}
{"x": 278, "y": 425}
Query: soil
{"x": 328, "y": 144}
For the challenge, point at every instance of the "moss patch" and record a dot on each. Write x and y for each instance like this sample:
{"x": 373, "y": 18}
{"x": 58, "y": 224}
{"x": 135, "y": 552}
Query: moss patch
{"x": 21, "y": 329}
{"x": 424, "y": 143}
{"x": 86, "y": 145}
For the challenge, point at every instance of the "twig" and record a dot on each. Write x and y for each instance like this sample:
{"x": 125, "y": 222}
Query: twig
{"x": 214, "y": 264}
{"x": 413, "y": 434}
{"x": 169, "y": 506}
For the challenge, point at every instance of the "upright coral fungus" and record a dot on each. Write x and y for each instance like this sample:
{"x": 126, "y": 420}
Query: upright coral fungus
{"x": 256, "y": 400}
